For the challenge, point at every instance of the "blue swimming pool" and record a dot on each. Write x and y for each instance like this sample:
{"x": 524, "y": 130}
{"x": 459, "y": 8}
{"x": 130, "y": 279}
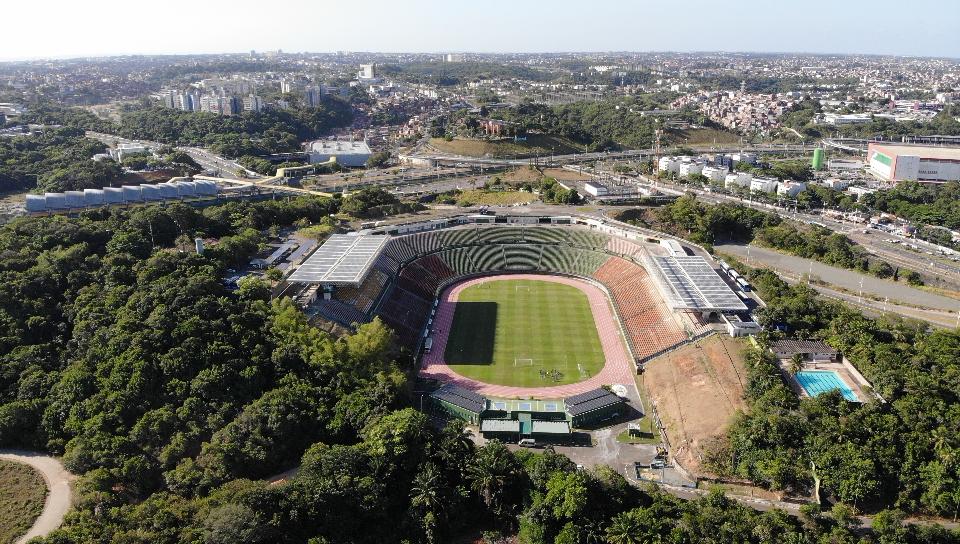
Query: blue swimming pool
{"x": 815, "y": 382}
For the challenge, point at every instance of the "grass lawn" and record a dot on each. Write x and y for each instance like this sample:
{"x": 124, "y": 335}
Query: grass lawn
{"x": 648, "y": 436}
{"x": 506, "y": 332}
{"x": 22, "y": 492}
{"x": 495, "y": 198}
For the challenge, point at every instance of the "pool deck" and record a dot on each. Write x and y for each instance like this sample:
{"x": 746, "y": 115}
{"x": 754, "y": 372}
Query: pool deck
{"x": 841, "y": 370}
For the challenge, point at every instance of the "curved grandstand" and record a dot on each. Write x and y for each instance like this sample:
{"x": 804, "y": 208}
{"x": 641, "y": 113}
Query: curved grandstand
{"x": 400, "y": 273}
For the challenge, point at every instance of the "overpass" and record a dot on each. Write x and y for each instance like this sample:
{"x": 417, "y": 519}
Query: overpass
{"x": 573, "y": 158}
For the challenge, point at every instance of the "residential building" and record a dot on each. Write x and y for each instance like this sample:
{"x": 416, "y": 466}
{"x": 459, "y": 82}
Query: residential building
{"x": 764, "y": 185}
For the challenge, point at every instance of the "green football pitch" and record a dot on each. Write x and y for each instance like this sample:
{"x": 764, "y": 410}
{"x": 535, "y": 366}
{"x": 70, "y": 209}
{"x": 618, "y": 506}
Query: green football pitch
{"x": 524, "y": 333}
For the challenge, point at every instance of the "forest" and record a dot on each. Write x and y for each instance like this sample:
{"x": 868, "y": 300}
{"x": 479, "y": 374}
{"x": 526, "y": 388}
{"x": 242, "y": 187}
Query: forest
{"x": 901, "y": 450}
{"x": 174, "y": 398}
{"x": 248, "y": 133}
{"x": 58, "y": 159}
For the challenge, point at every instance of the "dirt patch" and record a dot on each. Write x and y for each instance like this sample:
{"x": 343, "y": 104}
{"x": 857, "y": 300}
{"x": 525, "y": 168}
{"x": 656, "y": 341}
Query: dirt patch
{"x": 521, "y": 175}
{"x": 561, "y": 174}
{"x": 533, "y": 145}
{"x": 153, "y": 176}
{"x": 696, "y": 390}
{"x": 702, "y": 136}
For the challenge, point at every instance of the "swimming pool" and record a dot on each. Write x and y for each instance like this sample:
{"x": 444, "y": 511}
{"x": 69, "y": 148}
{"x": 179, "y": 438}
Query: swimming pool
{"x": 815, "y": 382}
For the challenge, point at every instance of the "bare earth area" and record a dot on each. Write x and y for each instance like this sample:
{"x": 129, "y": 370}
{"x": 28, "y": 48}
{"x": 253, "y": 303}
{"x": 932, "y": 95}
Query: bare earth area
{"x": 59, "y": 494}
{"x": 696, "y": 390}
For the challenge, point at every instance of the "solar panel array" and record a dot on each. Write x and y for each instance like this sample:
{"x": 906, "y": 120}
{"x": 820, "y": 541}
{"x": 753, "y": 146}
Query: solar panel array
{"x": 341, "y": 260}
{"x": 464, "y": 398}
{"x": 695, "y": 285}
{"x": 591, "y": 400}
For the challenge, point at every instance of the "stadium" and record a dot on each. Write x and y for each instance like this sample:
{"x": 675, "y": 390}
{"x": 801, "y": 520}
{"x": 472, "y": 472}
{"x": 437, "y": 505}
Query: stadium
{"x": 546, "y": 310}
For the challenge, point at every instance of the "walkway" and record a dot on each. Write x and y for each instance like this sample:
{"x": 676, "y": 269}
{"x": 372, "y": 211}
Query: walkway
{"x": 59, "y": 494}
{"x": 618, "y": 369}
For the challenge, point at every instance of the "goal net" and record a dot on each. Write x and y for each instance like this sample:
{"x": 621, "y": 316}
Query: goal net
{"x": 522, "y": 362}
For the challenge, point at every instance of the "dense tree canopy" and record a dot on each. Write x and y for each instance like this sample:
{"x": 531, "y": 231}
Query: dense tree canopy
{"x": 58, "y": 159}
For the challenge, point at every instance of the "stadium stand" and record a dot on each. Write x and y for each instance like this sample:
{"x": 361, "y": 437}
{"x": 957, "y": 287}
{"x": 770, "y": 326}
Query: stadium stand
{"x": 522, "y": 257}
{"x": 412, "y": 269}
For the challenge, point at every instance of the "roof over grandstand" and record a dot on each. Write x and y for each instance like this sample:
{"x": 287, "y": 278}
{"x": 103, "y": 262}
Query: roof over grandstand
{"x": 690, "y": 283}
{"x": 344, "y": 259}
{"x": 458, "y": 396}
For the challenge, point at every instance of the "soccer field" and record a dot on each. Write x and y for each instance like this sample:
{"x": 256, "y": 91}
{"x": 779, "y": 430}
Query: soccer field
{"x": 524, "y": 333}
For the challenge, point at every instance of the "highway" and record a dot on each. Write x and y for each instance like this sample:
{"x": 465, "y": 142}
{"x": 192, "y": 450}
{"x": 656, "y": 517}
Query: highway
{"x": 875, "y": 241}
{"x": 225, "y": 167}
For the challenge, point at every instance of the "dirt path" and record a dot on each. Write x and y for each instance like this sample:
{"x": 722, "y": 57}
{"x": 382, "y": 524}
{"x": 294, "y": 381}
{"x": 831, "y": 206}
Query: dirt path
{"x": 59, "y": 492}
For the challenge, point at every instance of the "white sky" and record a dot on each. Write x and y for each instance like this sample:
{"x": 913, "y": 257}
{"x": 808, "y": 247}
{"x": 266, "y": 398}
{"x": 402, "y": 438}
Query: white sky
{"x": 69, "y": 28}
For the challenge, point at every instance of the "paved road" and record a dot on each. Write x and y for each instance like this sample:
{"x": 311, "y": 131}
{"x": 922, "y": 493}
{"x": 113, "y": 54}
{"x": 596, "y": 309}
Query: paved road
{"x": 59, "y": 493}
{"x": 847, "y": 279}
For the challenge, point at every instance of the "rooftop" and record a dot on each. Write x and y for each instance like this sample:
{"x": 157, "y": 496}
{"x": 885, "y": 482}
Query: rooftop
{"x": 341, "y": 260}
{"x": 591, "y": 400}
{"x": 458, "y": 396}
{"x": 925, "y": 151}
{"x": 690, "y": 283}
{"x": 338, "y": 146}
{"x": 801, "y": 346}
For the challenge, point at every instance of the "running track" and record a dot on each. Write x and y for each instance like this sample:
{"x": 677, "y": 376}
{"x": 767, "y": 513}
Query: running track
{"x": 618, "y": 368}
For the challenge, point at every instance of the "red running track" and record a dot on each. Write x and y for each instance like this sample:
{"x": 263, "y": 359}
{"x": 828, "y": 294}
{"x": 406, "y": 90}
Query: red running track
{"x": 619, "y": 367}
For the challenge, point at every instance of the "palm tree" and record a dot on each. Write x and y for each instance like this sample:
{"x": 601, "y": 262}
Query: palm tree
{"x": 427, "y": 498}
{"x": 626, "y": 528}
{"x": 492, "y": 470}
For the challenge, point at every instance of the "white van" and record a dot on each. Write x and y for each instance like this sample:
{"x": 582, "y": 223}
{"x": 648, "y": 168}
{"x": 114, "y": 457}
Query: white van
{"x": 527, "y": 443}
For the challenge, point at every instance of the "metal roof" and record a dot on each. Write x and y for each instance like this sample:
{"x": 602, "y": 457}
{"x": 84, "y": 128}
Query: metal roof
{"x": 550, "y": 427}
{"x": 801, "y": 346}
{"x": 458, "y": 396}
{"x": 500, "y": 426}
{"x": 690, "y": 283}
{"x": 591, "y": 400}
{"x": 341, "y": 260}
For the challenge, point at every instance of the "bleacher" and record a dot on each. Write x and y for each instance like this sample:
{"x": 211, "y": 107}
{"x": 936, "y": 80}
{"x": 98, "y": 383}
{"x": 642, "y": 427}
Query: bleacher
{"x": 406, "y": 313}
{"x": 338, "y": 311}
{"x": 363, "y": 297}
{"x": 405, "y": 278}
{"x": 522, "y": 257}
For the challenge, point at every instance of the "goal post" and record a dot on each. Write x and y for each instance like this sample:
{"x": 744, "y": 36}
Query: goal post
{"x": 521, "y": 361}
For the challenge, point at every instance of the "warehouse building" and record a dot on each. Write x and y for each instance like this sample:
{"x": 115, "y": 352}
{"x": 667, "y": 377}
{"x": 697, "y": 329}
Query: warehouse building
{"x": 353, "y": 154}
{"x": 923, "y": 163}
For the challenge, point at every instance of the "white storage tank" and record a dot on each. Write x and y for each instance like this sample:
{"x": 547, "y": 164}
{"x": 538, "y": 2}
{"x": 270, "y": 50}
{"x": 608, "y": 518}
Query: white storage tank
{"x": 36, "y": 203}
{"x": 187, "y": 189}
{"x": 150, "y": 192}
{"x": 168, "y": 191}
{"x": 74, "y": 199}
{"x": 56, "y": 201}
{"x": 206, "y": 187}
{"x": 131, "y": 193}
{"x": 112, "y": 195}
{"x": 93, "y": 197}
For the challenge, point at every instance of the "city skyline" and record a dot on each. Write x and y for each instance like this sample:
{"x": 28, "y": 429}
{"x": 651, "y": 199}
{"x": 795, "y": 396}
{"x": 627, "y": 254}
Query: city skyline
{"x": 880, "y": 27}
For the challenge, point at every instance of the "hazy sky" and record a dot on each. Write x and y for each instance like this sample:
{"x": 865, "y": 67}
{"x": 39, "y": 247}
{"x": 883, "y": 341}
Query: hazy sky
{"x": 67, "y": 28}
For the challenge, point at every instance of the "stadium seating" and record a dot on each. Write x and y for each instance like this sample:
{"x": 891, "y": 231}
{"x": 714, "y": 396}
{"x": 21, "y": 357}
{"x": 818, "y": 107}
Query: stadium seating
{"x": 406, "y": 313}
{"x": 407, "y": 275}
{"x": 363, "y": 297}
{"x": 522, "y": 257}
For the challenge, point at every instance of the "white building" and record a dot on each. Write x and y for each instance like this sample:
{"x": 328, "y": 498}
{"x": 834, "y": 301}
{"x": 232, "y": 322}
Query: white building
{"x": 127, "y": 150}
{"x": 737, "y": 179}
{"x": 453, "y": 57}
{"x": 347, "y": 153}
{"x": 668, "y": 164}
{"x": 764, "y": 185}
{"x": 367, "y": 73}
{"x": 923, "y": 163}
{"x": 690, "y": 167}
{"x": 791, "y": 188}
{"x": 714, "y": 174}
{"x": 846, "y": 119}
{"x": 252, "y": 103}
{"x": 836, "y": 184}
{"x": 594, "y": 188}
